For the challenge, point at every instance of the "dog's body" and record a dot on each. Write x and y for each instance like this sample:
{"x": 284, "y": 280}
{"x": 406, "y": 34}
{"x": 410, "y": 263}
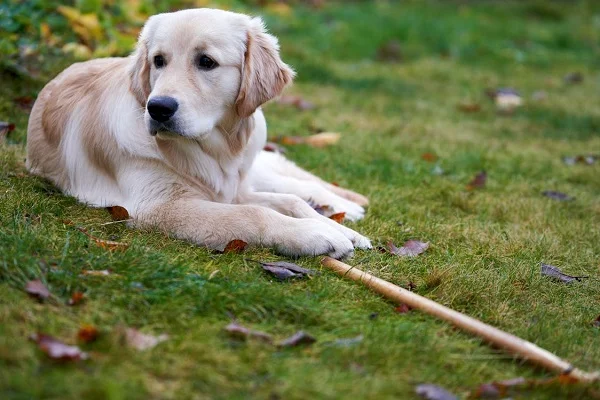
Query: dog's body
{"x": 174, "y": 134}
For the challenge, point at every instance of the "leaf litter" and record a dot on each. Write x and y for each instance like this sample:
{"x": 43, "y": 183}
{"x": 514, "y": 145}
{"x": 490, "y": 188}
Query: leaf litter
{"x": 141, "y": 341}
{"x": 430, "y": 391}
{"x": 478, "y": 182}
{"x": 411, "y": 248}
{"x": 558, "y": 196}
{"x": 317, "y": 140}
{"x": 284, "y": 270}
{"x": 238, "y": 331}
{"x": 118, "y": 213}
{"x": 37, "y": 289}
{"x": 87, "y": 333}
{"x": 235, "y": 246}
{"x": 105, "y": 244}
{"x": 56, "y": 349}
{"x": 297, "y": 339}
{"x": 555, "y": 273}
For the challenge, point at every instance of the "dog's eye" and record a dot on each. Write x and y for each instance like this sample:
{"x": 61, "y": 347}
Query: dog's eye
{"x": 205, "y": 62}
{"x": 159, "y": 61}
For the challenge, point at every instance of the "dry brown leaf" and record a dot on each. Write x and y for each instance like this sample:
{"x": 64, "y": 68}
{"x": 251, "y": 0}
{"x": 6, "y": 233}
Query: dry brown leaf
{"x": 284, "y": 270}
{"x": 118, "y": 213}
{"x": 430, "y": 391}
{"x": 235, "y": 246}
{"x": 5, "y": 128}
{"x": 87, "y": 333}
{"x": 296, "y": 101}
{"x": 105, "y": 244}
{"x": 410, "y": 248}
{"x": 56, "y": 349}
{"x": 299, "y": 338}
{"x": 322, "y": 139}
{"x": 403, "y": 308}
{"x": 25, "y": 103}
{"x": 37, "y": 289}
{"x": 429, "y": 157}
{"x": 478, "y": 182}
{"x": 76, "y": 298}
{"x": 558, "y": 196}
{"x": 555, "y": 273}
{"x": 338, "y": 217}
{"x": 142, "y": 341}
{"x": 96, "y": 272}
{"x": 274, "y": 148}
{"x": 469, "y": 107}
{"x": 241, "y": 332}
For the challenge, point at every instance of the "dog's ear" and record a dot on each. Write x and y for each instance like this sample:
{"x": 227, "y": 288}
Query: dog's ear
{"x": 264, "y": 75}
{"x": 139, "y": 73}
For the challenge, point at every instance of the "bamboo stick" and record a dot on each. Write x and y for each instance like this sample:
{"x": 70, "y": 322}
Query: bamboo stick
{"x": 511, "y": 343}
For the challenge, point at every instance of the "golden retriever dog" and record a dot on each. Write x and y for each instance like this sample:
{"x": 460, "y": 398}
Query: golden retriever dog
{"x": 174, "y": 133}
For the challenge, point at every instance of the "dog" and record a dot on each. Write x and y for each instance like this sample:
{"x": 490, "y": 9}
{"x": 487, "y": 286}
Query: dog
{"x": 174, "y": 133}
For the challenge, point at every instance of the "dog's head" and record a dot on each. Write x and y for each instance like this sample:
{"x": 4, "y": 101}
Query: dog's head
{"x": 193, "y": 68}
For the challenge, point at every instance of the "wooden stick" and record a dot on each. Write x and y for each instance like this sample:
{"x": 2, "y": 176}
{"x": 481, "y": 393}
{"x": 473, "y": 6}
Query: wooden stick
{"x": 495, "y": 336}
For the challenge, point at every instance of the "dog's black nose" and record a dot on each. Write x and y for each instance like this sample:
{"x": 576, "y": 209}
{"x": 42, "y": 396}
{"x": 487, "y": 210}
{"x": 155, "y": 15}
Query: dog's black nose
{"x": 162, "y": 108}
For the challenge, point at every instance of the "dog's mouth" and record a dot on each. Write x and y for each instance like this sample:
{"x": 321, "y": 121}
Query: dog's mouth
{"x": 165, "y": 129}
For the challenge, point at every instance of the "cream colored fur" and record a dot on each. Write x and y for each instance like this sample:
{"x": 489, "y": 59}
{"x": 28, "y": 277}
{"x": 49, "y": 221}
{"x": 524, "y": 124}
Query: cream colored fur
{"x": 206, "y": 180}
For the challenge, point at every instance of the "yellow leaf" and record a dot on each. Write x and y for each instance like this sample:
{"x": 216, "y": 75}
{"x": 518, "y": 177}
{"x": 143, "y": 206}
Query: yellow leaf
{"x": 78, "y": 50}
{"x": 281, "y": 9}
{"x": 322, "y": 139}
{"x": 86, "y": 26}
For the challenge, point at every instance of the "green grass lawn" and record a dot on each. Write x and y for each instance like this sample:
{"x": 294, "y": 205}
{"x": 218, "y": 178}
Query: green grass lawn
{"x": 486, "y": 244}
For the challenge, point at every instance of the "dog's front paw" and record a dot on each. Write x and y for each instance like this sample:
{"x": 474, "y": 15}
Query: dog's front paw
{"x": 308, "y": 237}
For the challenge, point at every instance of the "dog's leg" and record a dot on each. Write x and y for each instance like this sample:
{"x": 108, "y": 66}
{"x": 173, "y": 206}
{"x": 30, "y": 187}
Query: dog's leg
{"x": 286, "y": 167}
{"x": 294, "y": 206}
{"x": 273, "y": 173}
{"x": 216, "y": 224}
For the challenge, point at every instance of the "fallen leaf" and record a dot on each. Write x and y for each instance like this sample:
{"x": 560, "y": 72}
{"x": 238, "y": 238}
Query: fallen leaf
{"x": 402, "y": 308}
{"x": 429, "y": 157}
{"x": 596, "y": 322}
{"x": 390, "y": 51}
{"x": 284, "y": 270}
{"x": 95, "y": 272}
{"x": 235, "y": 246}
{"x": 495, "y": 390}
{"x": 274, "y": 148}
{"x": 141, "y": 341}
{"x": 56, "y": 349}
{"x": 317, "y": 140}
{"x": 241, "y": 332}
{"x": 118, "y": 213}
{"x": 589, "y": 159}
{"x": 349, "y": 342}
{"x": 507, "y": 99}
{"x": 296, "y": 101}
{"x": 469, "y": 107}
{"x": 87, "y": 333}
{"x": 411, "y": 248}
{"x": 430, "y": 391}
{"x": 76, "y": 298}
{"x": 558, "y": 196}
{"x": 338, "y": 217}
{"x": 105, "y": 244}
{"x": 553, "y": 272}
{"x": 37, "y": 289}
{"x": 573, "y": 77}
{"x": 5, "y": 128}
{"x": 297, "y": 339}
{"x": 478, "y": 182}
{"x": 25, "y": 103}
{"x": 86, "y": 26}
{"x": 321, "y": 209}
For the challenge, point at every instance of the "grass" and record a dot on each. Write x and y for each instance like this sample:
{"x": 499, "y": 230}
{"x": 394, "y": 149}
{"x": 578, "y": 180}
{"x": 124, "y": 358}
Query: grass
{"x": 486, "y": 245}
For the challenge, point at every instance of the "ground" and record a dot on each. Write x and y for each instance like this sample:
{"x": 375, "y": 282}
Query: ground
{"x": 486, "y": 244}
